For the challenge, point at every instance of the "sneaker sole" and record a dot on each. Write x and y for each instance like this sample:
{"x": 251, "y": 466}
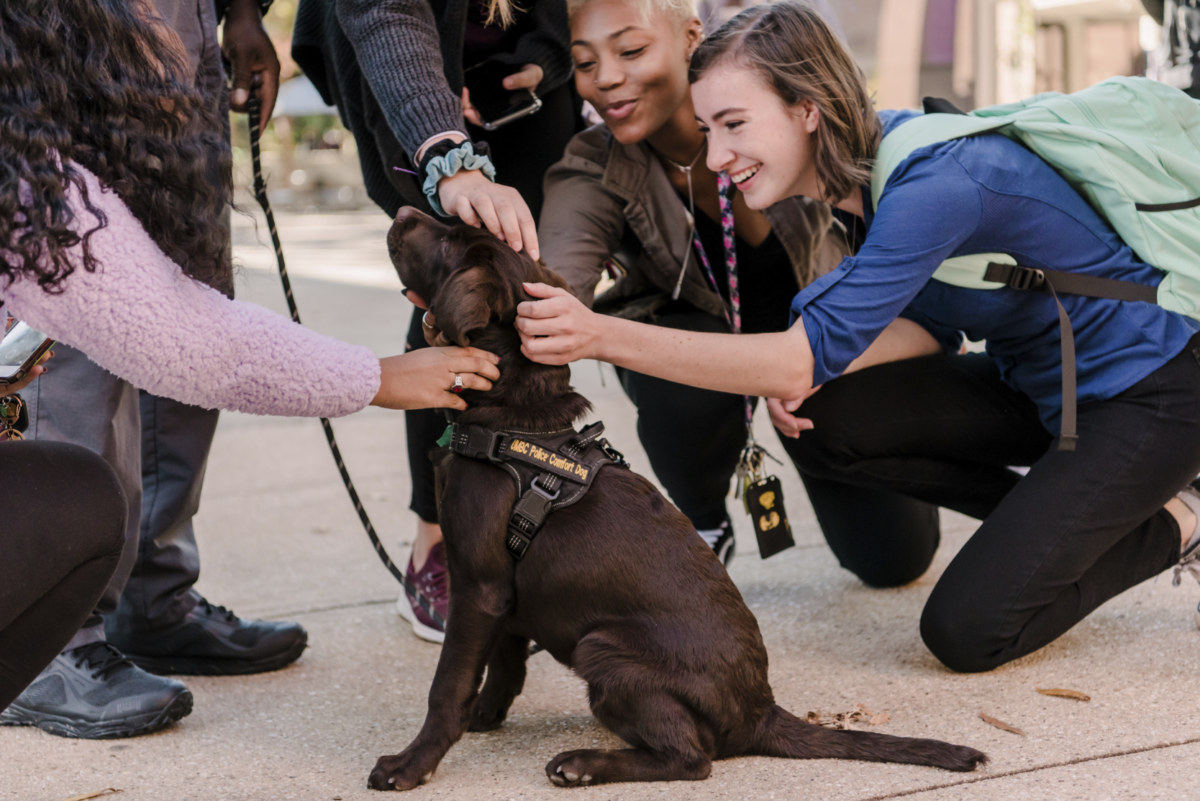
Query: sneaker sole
{"x": 726, "y": 551}
{"x": 194, "y": 666}
{"x": 427, "y": 633}
{"x": 135, "y": 726}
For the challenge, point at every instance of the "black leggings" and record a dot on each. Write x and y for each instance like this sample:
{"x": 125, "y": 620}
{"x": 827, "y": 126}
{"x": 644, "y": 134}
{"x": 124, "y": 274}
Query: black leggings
{"x": 62, "y": 529}
{"x": 1080, "y": 528}
{"x": 882, "y": 537}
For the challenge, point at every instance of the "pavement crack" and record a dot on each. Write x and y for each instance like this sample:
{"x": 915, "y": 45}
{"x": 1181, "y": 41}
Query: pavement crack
{"x": 334, "y": 607}
{"x": 1037, "y": 768}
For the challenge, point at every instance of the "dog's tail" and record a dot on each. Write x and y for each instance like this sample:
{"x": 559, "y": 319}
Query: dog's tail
{"x": 782, "y": 734}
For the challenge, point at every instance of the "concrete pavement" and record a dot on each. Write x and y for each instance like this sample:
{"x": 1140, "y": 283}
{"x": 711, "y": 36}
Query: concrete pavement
{"x": 280, "y": 540}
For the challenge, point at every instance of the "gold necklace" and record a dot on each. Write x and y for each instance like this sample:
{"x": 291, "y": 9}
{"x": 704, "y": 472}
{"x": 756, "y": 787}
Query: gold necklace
{"x": 687, "y": 169}
{"x": 691, "y": 212}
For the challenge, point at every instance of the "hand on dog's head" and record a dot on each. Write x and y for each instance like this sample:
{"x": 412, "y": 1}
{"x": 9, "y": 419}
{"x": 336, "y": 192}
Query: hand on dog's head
{"x": 468, "y": 277}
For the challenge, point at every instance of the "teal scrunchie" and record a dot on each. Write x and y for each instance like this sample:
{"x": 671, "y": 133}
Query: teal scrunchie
{"x": 462, "y": 157}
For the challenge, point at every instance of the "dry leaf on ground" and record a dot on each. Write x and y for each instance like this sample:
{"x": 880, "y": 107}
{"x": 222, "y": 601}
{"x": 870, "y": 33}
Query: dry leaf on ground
{"x": 842, "y": 720}
{"x": 1059, "y": 692}
{"x": 97, "y": 794}
{"x": 999, "y": 724}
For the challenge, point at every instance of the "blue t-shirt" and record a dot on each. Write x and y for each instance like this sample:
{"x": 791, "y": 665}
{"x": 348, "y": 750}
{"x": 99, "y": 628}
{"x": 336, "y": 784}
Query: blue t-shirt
{"x": 988, "y": 194}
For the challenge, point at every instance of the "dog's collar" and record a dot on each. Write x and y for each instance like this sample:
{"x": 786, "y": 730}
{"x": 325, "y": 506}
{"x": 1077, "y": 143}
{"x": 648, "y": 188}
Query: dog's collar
{"x": 552, "y": 470}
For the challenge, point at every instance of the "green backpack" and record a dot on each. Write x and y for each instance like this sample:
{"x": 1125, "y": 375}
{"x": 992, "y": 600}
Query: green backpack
{"x": 1131, "y": 148}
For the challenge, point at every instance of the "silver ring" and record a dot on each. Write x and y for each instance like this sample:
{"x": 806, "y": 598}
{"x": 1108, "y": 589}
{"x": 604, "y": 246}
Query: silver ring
{"x": 458, "y": 384}
{"x": 425, "y": 322}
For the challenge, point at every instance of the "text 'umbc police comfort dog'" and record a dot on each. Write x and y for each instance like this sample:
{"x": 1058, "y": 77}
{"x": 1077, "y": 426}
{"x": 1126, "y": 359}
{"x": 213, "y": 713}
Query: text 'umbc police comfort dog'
{"x": 616, "y": 586}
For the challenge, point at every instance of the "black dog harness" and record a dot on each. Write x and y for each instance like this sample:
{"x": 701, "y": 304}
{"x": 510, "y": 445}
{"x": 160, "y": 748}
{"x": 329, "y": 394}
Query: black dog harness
{"x": 553, "y": 470}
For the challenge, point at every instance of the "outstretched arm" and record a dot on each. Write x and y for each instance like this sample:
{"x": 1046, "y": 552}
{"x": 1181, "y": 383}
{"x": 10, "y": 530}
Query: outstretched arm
{"x": 559, "y": 329}
{"x": 142, "y": 319}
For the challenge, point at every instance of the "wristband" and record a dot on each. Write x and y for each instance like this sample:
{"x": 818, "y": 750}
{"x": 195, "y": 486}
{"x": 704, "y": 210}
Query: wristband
{"x": 447, "y": 158}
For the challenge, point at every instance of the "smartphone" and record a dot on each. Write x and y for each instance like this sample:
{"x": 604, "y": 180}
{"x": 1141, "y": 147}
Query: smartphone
{"x": 20, "y": 350}
{"x": 496, "y": 105}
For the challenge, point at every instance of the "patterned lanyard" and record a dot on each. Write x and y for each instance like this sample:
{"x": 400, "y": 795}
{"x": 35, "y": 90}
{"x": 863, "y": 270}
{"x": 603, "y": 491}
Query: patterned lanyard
{"x": 724, "y": 194}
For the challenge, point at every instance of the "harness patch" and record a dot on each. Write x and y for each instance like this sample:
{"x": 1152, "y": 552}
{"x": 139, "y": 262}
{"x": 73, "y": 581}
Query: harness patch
{"x": 536, "y": 455}
{"x": 541, "y": 462}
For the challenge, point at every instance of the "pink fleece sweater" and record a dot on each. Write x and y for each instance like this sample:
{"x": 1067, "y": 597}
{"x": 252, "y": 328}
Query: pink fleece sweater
{"x": 142, "y": 319}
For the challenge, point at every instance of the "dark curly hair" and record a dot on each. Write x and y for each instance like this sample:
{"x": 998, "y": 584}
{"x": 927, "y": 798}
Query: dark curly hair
{"x": 94, "y": 83}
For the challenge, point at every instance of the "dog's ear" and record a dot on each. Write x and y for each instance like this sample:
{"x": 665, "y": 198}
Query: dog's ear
{"x": 544, "y": 275}
{"x": 472, "y": 297}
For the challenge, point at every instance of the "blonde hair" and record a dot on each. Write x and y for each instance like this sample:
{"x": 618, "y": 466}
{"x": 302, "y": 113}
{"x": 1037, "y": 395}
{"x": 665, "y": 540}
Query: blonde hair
{"x": 503, "y": 10}
{"x": 676, "y": 10}
{"x": 802, "y": 59}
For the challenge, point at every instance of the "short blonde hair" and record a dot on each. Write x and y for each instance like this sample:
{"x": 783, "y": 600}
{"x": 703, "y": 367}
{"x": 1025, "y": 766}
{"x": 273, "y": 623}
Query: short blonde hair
{"x": 677, "y": 10}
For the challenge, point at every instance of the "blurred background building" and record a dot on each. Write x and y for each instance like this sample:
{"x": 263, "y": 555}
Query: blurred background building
{"x": 971, "y": 52}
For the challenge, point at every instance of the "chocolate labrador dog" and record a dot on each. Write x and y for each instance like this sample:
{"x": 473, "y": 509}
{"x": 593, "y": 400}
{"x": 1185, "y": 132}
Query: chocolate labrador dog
{"x": 617, "y": 587}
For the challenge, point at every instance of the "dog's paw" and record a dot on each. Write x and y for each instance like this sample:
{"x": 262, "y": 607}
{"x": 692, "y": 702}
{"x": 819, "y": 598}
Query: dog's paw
{"x": 573, "y": 768}
{"x": 486, "y": 718}
{"x": 398, "y": 772}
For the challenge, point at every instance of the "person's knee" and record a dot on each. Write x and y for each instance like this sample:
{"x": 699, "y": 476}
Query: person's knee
{"x": 882, "y": 576}
{"x": 958, "y": 638}
{"x": 96, "y": 501}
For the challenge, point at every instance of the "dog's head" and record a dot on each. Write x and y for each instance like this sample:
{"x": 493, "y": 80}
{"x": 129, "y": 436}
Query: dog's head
{"x": 472, "y": 283}
{"x": 468, "y": 277}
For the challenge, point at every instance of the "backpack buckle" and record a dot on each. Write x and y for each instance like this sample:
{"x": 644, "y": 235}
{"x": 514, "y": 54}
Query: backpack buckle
{"x": 1026, "y": 278}
{"x": 1014, "y": 276}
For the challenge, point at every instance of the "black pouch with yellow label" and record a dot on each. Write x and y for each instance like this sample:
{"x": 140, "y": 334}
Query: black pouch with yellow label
{"x": 764, "y": 501}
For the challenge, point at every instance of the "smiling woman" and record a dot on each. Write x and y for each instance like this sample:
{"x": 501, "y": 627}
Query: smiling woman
{"x": 699, "y": 260}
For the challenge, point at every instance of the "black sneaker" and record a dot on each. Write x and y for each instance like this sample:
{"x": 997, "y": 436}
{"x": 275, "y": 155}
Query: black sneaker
{"x": 213, "y": 641}
{"x": 96, "y": 693}
{"x": 725, "y": 546}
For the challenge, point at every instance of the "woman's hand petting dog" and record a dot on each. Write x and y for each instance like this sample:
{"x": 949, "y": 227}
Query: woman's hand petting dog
{"x": 557, "y": 328}
{"x": 479, "y": 202}
{"x": 424, "y": 379}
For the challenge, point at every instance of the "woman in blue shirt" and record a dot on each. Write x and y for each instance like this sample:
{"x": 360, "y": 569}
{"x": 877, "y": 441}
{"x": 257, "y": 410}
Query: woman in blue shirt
{"x": 787, "y": 113}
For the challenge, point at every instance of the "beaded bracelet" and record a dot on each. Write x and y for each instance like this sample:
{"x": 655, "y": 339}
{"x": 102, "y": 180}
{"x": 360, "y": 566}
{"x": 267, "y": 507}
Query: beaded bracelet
{"x": 445, "y": 159}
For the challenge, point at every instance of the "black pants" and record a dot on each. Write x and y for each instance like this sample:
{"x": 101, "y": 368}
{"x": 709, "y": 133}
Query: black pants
{"x": 62, "y": 529}
{"x": 693, "y": 438}
{"x": 1080, "y": 528}
{"x": 522, "y": 151}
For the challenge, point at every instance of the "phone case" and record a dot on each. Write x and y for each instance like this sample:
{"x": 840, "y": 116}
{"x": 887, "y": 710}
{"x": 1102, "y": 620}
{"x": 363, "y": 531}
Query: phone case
{"x": 765, "y": 501}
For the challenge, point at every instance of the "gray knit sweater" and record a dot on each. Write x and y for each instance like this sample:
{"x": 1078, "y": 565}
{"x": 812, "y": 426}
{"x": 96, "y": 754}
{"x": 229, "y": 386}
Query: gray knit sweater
{"x": 394, "y": 70}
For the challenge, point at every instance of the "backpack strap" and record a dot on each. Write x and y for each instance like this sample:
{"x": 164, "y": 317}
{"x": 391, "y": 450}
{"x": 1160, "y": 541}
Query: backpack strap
{"x": 1052, "y": 282}
{"x": 919, "y": 132}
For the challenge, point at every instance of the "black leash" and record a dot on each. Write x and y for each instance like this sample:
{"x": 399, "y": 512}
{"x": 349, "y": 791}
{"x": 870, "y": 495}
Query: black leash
{"x": 260, "y": 194}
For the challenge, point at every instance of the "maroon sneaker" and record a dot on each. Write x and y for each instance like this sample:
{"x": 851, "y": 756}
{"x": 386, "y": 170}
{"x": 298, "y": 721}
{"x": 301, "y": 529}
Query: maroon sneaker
{"x": 434, "y": 583}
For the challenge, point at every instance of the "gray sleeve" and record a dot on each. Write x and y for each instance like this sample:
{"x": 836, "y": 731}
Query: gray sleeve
{"x": 581, "y": 223}
{"x": 399, "y": 52}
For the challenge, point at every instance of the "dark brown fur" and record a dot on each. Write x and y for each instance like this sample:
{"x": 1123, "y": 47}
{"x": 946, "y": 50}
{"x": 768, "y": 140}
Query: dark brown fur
{"x": 617, "y": 587}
